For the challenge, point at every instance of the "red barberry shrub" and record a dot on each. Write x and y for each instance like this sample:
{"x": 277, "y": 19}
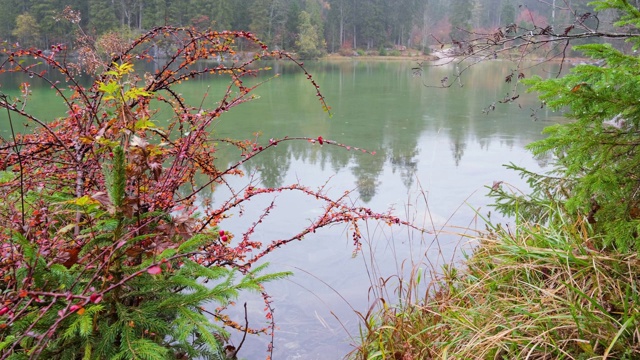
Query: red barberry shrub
{"x": 106, "y": 244}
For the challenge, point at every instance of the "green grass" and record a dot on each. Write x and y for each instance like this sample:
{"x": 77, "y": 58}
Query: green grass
{"x": 529, "y": 292}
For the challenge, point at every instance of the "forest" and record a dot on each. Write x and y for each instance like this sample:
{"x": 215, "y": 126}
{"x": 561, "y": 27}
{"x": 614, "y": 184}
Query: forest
{"x": 310, "y": 27}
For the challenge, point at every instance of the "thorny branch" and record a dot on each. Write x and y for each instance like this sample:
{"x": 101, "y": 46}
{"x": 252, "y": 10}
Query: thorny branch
{"x": 167, "y": 169}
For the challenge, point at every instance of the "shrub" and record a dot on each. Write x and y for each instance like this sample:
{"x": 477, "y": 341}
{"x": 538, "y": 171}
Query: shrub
{"x": 107, "y": 250}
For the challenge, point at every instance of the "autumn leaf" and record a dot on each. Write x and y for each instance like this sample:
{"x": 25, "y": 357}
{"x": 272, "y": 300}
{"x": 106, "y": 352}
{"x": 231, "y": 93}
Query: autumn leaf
{"x": 84, "y": 201}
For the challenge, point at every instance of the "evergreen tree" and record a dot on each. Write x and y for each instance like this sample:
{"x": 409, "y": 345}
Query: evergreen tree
{"x": 291, "y": 25}
{"x": 507, "y": 13}
{"x": 223, "y": 15}
{"x": 259, "y": 13}
{"x": 597, "y": 154}
{"x": 8, "y": 15}
{"x": 155, "y": 12}
{"x": 243, "y": 18}
{"x": 46, "y": 13}
{"x": 102, "y": 16}
{"x": 460, "y": 12}
{"x": 372, "y": 23}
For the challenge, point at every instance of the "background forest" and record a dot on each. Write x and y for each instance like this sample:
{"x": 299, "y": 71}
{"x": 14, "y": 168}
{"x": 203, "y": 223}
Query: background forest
{"x": 310, "y": 27}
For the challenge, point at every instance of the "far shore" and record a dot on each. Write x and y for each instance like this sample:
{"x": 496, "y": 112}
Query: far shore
{"x": 338, "y": 57}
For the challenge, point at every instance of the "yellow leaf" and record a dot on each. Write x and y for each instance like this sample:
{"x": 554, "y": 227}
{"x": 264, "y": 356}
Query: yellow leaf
{"x": 66, "y": 229}
{"x": 84, "y": 201}
{"x": 144, "y": 123}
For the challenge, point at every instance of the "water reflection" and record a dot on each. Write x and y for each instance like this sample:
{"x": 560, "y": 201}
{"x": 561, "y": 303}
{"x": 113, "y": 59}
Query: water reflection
{"x": 379, "y": 106}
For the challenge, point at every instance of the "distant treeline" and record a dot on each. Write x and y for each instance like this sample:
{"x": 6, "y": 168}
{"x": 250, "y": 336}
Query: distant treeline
{"x": 310, "y": 26}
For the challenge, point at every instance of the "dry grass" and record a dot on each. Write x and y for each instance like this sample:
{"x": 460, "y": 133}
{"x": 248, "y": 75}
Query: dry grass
{"x": 528, "y": 293}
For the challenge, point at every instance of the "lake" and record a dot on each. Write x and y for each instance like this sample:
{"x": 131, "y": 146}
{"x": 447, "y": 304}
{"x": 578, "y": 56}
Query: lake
{"x": 436, "y": 150}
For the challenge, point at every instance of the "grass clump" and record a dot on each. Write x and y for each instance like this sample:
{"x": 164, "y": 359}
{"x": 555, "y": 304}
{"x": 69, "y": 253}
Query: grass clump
{"x": 532, "y": 292}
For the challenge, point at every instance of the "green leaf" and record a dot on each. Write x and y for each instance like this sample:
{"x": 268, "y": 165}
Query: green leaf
{"x": 144, "y": 124}
{"x": 65, "y": 229}
{"x": 109, "y": 88}
{"x": 84, "y": 201}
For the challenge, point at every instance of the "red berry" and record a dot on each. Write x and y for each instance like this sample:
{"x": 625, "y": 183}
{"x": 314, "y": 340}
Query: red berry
{"x": 221, "y": 232}
{"x": 95, "y": 298}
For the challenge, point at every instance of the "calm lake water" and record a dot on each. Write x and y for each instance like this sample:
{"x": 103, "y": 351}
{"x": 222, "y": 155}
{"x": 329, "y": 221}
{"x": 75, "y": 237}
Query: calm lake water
{"x": 436, "y": 150}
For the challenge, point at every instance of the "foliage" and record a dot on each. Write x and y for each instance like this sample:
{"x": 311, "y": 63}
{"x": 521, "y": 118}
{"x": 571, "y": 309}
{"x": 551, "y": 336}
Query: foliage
{"x": 460, "y": 19}
{"x": 309, "y": 44}
{"x": 599, "y": 151}
{"x": 27, "y": 30}
{"x": 358, "y": 23}
{"x": 531, "y": 292}
{"x": 108, "y": 246}
{"x": 596, "y": 155}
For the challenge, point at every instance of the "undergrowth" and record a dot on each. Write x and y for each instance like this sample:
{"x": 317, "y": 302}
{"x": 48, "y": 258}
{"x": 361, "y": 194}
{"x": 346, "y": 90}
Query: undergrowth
{"x": 528, "y": 292}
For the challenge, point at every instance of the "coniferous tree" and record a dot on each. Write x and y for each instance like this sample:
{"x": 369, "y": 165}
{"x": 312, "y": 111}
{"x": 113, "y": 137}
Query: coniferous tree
{"x": 155, "y": 14}
{"x": 371, "y": 23}
{"x": 8, "y": 16}
{"x": 597, "y": 155}
{"x": 460, "y": 12}
{"x": 291, "y": 25}
{"x": 259, "y": 14}
{"x": 507, "y": 13}
{"x": 102, "y": 16}
{"x": 223, "y": 15}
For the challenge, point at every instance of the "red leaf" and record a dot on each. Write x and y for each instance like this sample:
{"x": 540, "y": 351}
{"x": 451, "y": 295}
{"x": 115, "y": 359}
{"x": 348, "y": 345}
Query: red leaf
{"x": 154, "y": 270}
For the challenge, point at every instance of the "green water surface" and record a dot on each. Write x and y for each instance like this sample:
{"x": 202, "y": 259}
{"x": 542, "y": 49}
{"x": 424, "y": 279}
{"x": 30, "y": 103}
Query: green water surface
{"x": 435, "y": 151}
